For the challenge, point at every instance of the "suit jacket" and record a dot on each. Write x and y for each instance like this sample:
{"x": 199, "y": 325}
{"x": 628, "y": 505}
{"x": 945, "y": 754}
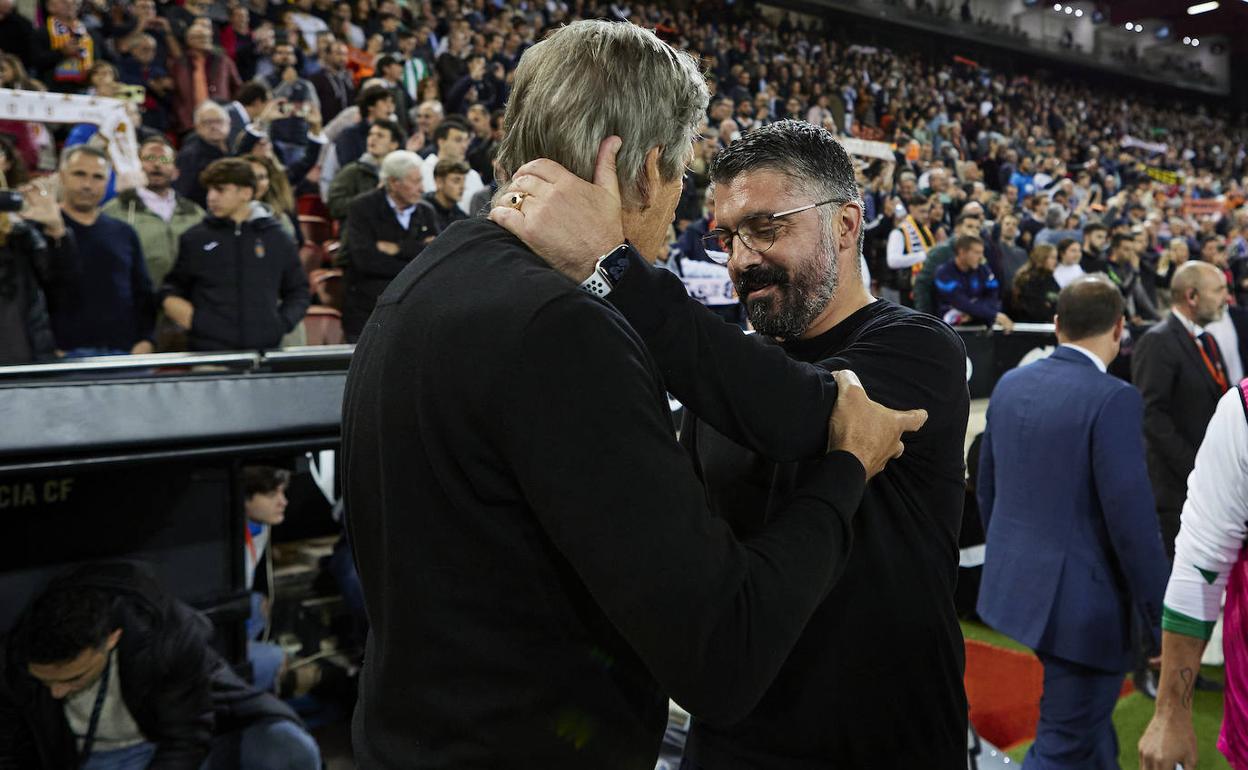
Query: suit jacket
{"x": 1074, "y": 564}
{"x": 333, "y": 99}
{"x": 1179, "y": 400}
{"x": 368, "y": 270}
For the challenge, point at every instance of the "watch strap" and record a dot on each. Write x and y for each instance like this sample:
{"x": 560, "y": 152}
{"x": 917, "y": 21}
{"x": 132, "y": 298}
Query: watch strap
{"x": 599, "y": 283}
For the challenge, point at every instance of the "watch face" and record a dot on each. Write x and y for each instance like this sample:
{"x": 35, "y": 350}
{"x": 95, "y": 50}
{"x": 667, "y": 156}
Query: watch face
{"x": 616, "y": 264}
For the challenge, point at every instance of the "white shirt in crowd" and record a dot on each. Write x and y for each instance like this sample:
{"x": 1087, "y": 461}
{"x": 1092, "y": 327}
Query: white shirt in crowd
{"x": 160, "y": 205}
{"x": 898, "y": 259}
{"x": 1223, "y": 331}
{"x": 1064, "y": 274}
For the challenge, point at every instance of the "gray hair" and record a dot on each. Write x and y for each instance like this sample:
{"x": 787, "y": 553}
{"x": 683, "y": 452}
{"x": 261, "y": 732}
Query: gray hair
{"x": 208, "y": 106}
{"x": 594, "y": 79}
{"x": 399, "y": 164}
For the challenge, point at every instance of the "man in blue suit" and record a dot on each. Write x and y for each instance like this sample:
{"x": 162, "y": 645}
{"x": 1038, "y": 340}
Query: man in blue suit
{"x": 1074, "y": 566}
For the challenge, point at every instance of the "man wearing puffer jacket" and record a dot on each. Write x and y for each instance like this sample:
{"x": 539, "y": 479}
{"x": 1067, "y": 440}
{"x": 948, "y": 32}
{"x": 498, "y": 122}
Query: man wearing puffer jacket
{"x": 237, "y": 283}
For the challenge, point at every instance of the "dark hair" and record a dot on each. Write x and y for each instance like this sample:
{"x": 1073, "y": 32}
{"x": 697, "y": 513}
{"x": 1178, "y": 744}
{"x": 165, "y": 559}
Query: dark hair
{"x": 1119, "y": 239}
{"x": 1088, "y": 306}
{"x": 1095, "y": 227}
{"x": 965, "y": 215}
{"x": 252, "y": 92}
{"x": 448, "y": 167}
{"x": 160, "y": 139}
{"x": 807, "y": 153}
{"x": 67, "y": 619}
{"x": 235, "y": 171}
{"x": 964, "y": 242}
{"x": 446, "y": 126}
{"x": 17, "y": 173}
{"x": 370, "y": 96}
{"x": 396, "y": 131}
{"x": 263, "y": 480}
{"x": 917, "y": 200}
{"x": 386, "y": 61}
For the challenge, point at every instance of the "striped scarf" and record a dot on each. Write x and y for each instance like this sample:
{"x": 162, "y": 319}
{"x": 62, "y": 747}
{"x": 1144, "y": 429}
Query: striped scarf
{"x": 918, "y": 238}
{"x": 414, "y": 71}
{"x": 71, "y": 70}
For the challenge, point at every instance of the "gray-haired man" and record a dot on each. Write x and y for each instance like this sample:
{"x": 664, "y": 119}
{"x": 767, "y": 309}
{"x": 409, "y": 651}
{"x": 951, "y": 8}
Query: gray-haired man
{"x": 789, "y": 217}
{"x": 538, "y": 563}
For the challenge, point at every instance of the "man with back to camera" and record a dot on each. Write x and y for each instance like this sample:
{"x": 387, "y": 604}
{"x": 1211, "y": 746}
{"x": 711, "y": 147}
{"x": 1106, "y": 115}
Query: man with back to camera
{"x": 1077, "y": 549}
{"x": 788, "y": 210}
{"x": 496, "y": 414}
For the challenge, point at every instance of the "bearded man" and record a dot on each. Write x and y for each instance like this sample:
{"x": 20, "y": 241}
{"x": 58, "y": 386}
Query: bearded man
{"x": 875, "y": 680}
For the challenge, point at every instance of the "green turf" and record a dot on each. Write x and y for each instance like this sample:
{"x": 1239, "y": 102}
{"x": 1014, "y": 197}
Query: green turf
{"x": 1133, "y": 712}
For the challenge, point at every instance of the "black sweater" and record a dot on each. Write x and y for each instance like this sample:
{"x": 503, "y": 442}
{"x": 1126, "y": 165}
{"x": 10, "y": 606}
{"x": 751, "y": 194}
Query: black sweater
{"x": 538, "y": 563}
{"x": 875, "y": 681}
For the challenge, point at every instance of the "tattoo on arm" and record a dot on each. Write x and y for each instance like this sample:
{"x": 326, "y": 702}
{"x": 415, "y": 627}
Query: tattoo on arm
{"x": 1188, "y": 677}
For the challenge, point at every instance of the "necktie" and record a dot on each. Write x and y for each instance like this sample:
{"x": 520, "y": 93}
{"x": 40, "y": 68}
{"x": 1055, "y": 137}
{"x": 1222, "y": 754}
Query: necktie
{"x": 1213, "y": 357}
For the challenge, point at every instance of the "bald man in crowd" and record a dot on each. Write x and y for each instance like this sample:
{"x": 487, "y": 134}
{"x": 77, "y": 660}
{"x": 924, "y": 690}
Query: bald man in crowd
{"x": 1179, "y": 369}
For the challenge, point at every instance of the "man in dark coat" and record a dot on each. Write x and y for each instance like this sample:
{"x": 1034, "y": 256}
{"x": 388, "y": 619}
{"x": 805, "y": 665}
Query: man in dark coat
{"x": 1181, "y": 374}
{"x": 106, "y": 665}
{"x": 386, "y": 229}
{"x": 237, "y": 283}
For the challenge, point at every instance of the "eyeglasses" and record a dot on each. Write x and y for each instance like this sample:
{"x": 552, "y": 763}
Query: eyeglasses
{"x": 758, "y": 233}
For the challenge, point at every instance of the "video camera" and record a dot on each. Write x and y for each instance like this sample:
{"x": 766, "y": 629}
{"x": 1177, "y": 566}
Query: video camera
{"x": 11, "y": 201}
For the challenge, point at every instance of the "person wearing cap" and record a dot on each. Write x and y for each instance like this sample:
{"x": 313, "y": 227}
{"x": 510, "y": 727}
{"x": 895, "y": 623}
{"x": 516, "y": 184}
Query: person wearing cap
{"x": 390, "y": 69}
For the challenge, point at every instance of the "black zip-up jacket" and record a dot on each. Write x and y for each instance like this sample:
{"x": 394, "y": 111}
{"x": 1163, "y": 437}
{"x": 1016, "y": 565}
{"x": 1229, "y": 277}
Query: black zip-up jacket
{"x": 244, "y": 280}
{"x": 178, "y": 689}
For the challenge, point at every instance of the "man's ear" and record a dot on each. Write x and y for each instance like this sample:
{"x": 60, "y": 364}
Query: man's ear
{"x": 113, "y": 639}
{"x": 650, "y": 179}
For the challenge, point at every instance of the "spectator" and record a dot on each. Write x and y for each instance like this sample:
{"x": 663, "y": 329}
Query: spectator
{"x": 16, "y": 32}
{"x": 36, "y": 251}
{"x": 386, "y": 229}
{"x": 12, "y": 164}
{"x": 908, "y": 245}
{"x": 105, "y": 652}
{"x": 284, "y": 81}
{"x": 1069, "y": 262}
{"x": 142, "y": 67}
{"x": 1095, "y": 254}
{"x": 1180, "y": 371}
{"x": 969, "y": 223}
{"x": 273, "y": 190}
{"x": 1035, "y": 290}
{"x": 252, "y": 100}
{"x": 478, "y": 85}
{"x": 451, "y": 138}
{"x": 1010, "y": 256}
{"x": 966, "y": 290}
{"x": 264, "y": 505}
{"x": 237, "y": 283}
{"x": 428, "y": 116}
{"x": 64, "y": 48}
{"x": 390, "y": 70}
{"x": 291, "y": 132}
{"x": 199, "y": 75}
{"x": 107, "y": 308}
{"x": 334, "y": 88}
{"x": 1121, "y": 269}
{"x": 483, "y": 145}
{"x": 448, "y": 177}
{"x": 156, "y": 212}
{"x": 364, "y": 174}
{"x": 212, "y": 126}
{"x": 375, "y": 103}
{"x": 1053, "y": 232}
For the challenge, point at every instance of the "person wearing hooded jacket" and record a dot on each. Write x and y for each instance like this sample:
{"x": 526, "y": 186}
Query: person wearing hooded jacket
{"x": 106, "y": 668}
{"x": 237, "y": 283}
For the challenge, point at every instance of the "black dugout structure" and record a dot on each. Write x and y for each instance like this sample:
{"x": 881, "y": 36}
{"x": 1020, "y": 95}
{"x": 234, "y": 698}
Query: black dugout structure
{"x": 139, "y": 457}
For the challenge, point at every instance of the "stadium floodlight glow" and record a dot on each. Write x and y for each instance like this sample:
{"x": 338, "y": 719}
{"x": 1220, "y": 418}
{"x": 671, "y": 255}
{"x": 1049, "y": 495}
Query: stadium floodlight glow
{"x": 1069, "y": 10}
{"x": 1195, "y": 42}
{"x": 1058, "y": 6}
{"x": 1187, "y": 41}
{"x": 1139, "y": 27}
{"x": 1130, "y": 27}
{"x": 1079, "y": 12}
{"x": 1199, "y": 8}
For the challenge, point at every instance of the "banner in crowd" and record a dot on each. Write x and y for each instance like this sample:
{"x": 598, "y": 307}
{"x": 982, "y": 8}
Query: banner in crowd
{"x": 867, "y": 149}
{"x": 707, "y": 282}
{"x": 115, "y": 126}
{"x": 1154, "y": 147}
{"x": 1163, "y": 176}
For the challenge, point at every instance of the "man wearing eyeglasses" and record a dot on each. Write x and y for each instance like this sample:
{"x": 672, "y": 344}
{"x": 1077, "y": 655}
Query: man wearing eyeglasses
{"x": 876, "y": 678}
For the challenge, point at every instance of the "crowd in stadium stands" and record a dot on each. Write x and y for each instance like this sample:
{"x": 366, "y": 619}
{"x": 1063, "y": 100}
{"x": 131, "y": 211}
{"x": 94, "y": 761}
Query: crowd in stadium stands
{"x": 315, "y": 96}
